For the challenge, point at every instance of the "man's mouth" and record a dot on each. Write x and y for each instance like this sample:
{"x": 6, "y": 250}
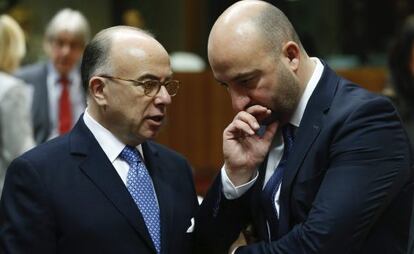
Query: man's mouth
{"x": 157, "y": 119}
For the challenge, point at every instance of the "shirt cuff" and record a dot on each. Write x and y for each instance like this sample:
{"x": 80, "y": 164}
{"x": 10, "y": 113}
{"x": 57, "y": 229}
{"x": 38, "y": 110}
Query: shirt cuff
{"x": 234, "y": 251}
{"x": 232, "y": 192}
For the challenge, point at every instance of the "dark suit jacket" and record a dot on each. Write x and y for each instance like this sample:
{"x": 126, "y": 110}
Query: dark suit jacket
{"x": 65, "y": 197}
{"x": 347, "y": 186}
{"x": 36, "y": 75}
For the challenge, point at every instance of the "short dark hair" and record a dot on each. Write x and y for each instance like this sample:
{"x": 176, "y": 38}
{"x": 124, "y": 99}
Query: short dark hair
{"x": 95, "y": 56}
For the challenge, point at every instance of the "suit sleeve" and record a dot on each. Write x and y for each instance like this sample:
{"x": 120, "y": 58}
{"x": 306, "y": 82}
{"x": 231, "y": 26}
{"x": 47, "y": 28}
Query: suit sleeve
{"x": 219, "y": 220}
{"x": 369, "y": 165}
{"x": 26, "y": 220}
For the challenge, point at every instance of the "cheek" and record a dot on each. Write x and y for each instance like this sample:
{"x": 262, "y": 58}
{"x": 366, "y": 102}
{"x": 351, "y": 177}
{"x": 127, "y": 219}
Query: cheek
{"x": 54, "y": 54}
{"x": 266, "y": 92}
{"x": 138, "y": 108}
{"x": 75, "y": 55}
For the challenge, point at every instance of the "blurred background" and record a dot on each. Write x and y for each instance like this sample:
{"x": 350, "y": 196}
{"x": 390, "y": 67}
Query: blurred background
{"x": 353, "y": 36}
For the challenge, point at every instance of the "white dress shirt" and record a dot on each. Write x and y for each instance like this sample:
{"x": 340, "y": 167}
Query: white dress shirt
{"x": 54, "y": 89}
{"x": 276, "y": 149}
{"x": 111, "y": 146}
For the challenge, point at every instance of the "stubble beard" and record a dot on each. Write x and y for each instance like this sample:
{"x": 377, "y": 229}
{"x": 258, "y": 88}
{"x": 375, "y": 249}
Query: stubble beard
{"x": 286, "y": 96}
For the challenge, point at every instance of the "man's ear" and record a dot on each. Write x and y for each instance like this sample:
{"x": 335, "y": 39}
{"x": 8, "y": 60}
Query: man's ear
{"x": 97, "y": 87}
{"x": 291, "y": 53}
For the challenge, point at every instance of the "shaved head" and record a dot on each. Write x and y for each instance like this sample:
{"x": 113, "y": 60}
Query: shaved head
{"x": 254, "y": 50}
{"x": 255, "y": 18}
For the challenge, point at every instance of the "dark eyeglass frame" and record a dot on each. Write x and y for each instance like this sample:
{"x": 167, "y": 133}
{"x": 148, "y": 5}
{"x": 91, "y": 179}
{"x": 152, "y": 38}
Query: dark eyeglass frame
{"x": 171, "y": 86}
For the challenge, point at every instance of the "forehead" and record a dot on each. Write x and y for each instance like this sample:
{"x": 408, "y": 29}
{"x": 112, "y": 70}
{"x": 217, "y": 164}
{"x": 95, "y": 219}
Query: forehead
{"x": 235, "y": 50}
{"x": 68, "y": 36}
{"x": 138, "y": 55}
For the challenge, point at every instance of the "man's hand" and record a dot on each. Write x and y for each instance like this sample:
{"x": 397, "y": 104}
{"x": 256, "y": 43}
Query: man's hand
{"x": 243, "y": 149}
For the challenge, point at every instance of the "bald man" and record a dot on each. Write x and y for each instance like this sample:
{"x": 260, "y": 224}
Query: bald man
{"x": 104, "y": 188}
{"x": 312, "y": 162}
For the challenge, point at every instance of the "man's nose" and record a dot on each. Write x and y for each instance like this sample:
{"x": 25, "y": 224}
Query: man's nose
{"x": 162, "y": 97}
{"x": 239, "y": 100}
{"x": 65, "y": 49}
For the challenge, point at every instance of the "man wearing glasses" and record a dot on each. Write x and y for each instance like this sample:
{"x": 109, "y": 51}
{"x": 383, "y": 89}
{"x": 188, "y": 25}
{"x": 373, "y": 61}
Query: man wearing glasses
{"x": 104, "y": 187}
{"x": 58, "y": 97}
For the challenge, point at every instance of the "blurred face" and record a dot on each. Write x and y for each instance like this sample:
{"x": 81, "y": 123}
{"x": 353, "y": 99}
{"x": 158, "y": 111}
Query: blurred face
{"x": 65, "y": 51}
{"x": 130, "y": 114}
{"x": 253, "y": 75}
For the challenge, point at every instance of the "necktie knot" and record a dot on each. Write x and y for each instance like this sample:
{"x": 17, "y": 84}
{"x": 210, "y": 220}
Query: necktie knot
{"x": 64, "y": 81}
{"x": 130, "y": 155}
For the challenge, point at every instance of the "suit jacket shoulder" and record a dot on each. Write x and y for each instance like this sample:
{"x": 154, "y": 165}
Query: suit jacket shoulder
{"x": 36, "y": 76}
{"x": 33, "y": 73}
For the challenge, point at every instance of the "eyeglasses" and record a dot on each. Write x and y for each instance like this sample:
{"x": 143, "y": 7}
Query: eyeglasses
{"x": 151, "y": 87}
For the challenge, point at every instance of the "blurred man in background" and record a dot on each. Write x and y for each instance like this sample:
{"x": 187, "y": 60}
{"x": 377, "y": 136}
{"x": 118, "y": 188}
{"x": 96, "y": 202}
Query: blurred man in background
{"x": 58, "y": 98}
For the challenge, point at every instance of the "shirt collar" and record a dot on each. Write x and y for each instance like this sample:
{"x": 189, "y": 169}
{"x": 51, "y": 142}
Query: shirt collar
{"x": 110, "y": 144}
{"x": 310, "y": 87}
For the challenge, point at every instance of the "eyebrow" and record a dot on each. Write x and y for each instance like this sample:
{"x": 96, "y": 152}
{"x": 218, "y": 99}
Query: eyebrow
{"x": 152, "y": 76}
{"x": 239, "y": 76}
{"x": 243, "y": 75}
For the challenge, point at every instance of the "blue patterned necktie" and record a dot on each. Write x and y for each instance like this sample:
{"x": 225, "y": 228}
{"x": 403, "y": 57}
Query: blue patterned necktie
{"x": 272, "y": 185}
{"x": 140, "y": 187}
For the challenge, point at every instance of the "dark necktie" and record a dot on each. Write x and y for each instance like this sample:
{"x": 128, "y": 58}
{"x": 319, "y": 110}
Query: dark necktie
{"x": 65, "y": 108}
{"x": 139, "y": 185}
{"x": 269, "y": 191}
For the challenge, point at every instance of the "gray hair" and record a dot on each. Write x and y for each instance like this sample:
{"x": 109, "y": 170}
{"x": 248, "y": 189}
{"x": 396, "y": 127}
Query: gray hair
{"x": 71, "y": 21}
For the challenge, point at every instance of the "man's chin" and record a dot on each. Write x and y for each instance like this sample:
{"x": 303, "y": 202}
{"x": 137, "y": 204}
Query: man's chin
{"x": 151, "y": 132}
{"x": 63, "y": 69}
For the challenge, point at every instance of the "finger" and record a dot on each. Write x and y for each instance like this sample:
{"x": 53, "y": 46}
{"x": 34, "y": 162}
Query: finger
{"x": 259, "y": 112}
{"x": 239, "y": 128}
{"x": 248, "y": 119}
{"x": 270, "y": 131}
{"x": 256, "y": 109}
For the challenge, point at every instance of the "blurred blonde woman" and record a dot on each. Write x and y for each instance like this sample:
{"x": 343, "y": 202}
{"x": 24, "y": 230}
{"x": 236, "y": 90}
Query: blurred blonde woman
{"x": 15, "y": 128}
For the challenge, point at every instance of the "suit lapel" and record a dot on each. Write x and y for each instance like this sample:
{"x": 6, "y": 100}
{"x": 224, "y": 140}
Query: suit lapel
{"x": 101, "y": 173}
{"x": 308, "y": 131}
{"x": 163, "y": 190}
